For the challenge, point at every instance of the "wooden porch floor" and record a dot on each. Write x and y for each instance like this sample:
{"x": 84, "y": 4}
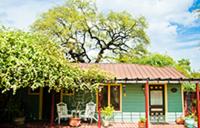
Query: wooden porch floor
{"x": 133, "y": 125}
{"x": 87, "y": 125}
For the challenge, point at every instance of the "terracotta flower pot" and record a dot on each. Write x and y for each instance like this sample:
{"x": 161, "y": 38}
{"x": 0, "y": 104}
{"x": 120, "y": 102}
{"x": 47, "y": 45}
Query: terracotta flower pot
{"x": 106, "y": 123}
{"x": 180, "y": 120}
{"x": 141, "y": 124}
{"x": 75, "y": 122}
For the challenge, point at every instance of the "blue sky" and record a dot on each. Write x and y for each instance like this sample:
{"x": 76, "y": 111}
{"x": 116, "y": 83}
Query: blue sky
{"x": 174, "y": 28}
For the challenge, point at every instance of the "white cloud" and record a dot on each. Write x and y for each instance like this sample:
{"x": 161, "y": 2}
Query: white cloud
{"x": 160, "y": 14}
{"x": 22, "y": 14}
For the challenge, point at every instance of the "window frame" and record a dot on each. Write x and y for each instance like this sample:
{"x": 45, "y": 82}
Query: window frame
{"x": 109, "y": 94}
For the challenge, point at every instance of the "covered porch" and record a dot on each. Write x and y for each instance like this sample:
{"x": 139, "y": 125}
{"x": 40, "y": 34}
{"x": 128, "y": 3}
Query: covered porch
{"x": 158, "y": 93}
{"x": 94, "y": 125}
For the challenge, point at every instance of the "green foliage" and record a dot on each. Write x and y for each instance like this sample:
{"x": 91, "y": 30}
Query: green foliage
{"x": 33, "y": 60}
{"x": 91, "y": 77}
{"x": 107, "y": 112}
{"x": 189, "y": 87}
{"x": 142, "y": 120}
{"x": 184, "y": 67}
{"x": 79, "y": 28}
{"x": 133, "y": 56}
{"x": 140, "y": 55}
{"x": 195, "y": 74}
{"x": 157, "y": 60}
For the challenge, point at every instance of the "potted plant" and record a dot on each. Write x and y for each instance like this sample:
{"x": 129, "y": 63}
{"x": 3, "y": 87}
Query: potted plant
{"x": 189, "y": 121}
{"x": 141, "y": 122}
{"x": 180, "y": 120}
{"x": 107, "y": 113}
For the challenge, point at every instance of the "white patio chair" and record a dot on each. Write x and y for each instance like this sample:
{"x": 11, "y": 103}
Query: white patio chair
{"x": 62, "y": 111}
{"x": 89, "y": 112}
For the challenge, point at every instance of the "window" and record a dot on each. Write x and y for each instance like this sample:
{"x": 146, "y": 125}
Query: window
{"x": 111, "y": 95}
{"x": 156, "y": 97}
{"x": 104, "y": 97}
{"x": 115, "y": 97}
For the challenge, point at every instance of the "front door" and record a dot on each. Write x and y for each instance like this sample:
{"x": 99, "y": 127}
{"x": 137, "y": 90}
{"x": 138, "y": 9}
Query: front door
{"x": 157, "y": 103}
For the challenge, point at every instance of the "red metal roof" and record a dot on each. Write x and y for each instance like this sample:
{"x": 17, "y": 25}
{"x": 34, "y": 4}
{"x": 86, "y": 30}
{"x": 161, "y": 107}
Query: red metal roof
{"x": 131, "y": 71}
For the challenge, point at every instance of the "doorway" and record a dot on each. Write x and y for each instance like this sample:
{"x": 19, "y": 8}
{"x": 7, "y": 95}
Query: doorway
{"x": 157, "y": 103}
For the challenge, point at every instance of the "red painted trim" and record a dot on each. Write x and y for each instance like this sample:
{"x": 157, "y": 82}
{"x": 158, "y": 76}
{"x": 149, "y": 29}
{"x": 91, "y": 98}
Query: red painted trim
{"x": 52, "y": 110}
{"x": 99, "y": 110}
{"x": 185, "y": 103}
{"x": 198, "y": 104}
{"x": 147, "y": 104}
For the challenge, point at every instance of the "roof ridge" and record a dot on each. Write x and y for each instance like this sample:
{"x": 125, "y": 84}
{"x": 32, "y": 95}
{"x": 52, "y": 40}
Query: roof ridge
{"x": 129, "y": 64}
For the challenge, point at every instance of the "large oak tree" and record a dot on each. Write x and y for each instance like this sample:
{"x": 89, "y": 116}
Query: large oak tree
{"x": 88, "y": 35}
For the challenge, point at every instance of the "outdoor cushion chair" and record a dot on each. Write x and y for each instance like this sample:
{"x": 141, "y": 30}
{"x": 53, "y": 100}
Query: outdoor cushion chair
{"x": 89, "y": 112}
{"x": 62, "y": 111}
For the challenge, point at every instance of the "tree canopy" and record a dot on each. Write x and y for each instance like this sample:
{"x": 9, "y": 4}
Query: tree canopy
{"x": 88, "y": 35}
{"x": 32, "y": 60}
{"x": 140, "y": 55}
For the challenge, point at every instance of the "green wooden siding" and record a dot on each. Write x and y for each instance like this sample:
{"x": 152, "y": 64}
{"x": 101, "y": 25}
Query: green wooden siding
{"x": 174, "y": 99}
{"x": 134, "y": 101}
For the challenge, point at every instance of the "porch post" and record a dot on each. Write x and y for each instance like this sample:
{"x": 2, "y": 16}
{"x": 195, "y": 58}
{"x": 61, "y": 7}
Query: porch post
{"x": 99, "y": 109}
{"x": 147, "y": 104}
{"x": 52, "y": 110}
{"x": 198, "y": 104}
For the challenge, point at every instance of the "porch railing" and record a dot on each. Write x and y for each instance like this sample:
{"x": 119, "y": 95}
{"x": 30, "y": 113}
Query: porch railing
{"x": 135, "y": 116}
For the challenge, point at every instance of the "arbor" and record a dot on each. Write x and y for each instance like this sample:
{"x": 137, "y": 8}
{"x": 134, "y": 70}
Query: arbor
{"x": 88, "y": 35}
{"x": 32, "y": 60}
